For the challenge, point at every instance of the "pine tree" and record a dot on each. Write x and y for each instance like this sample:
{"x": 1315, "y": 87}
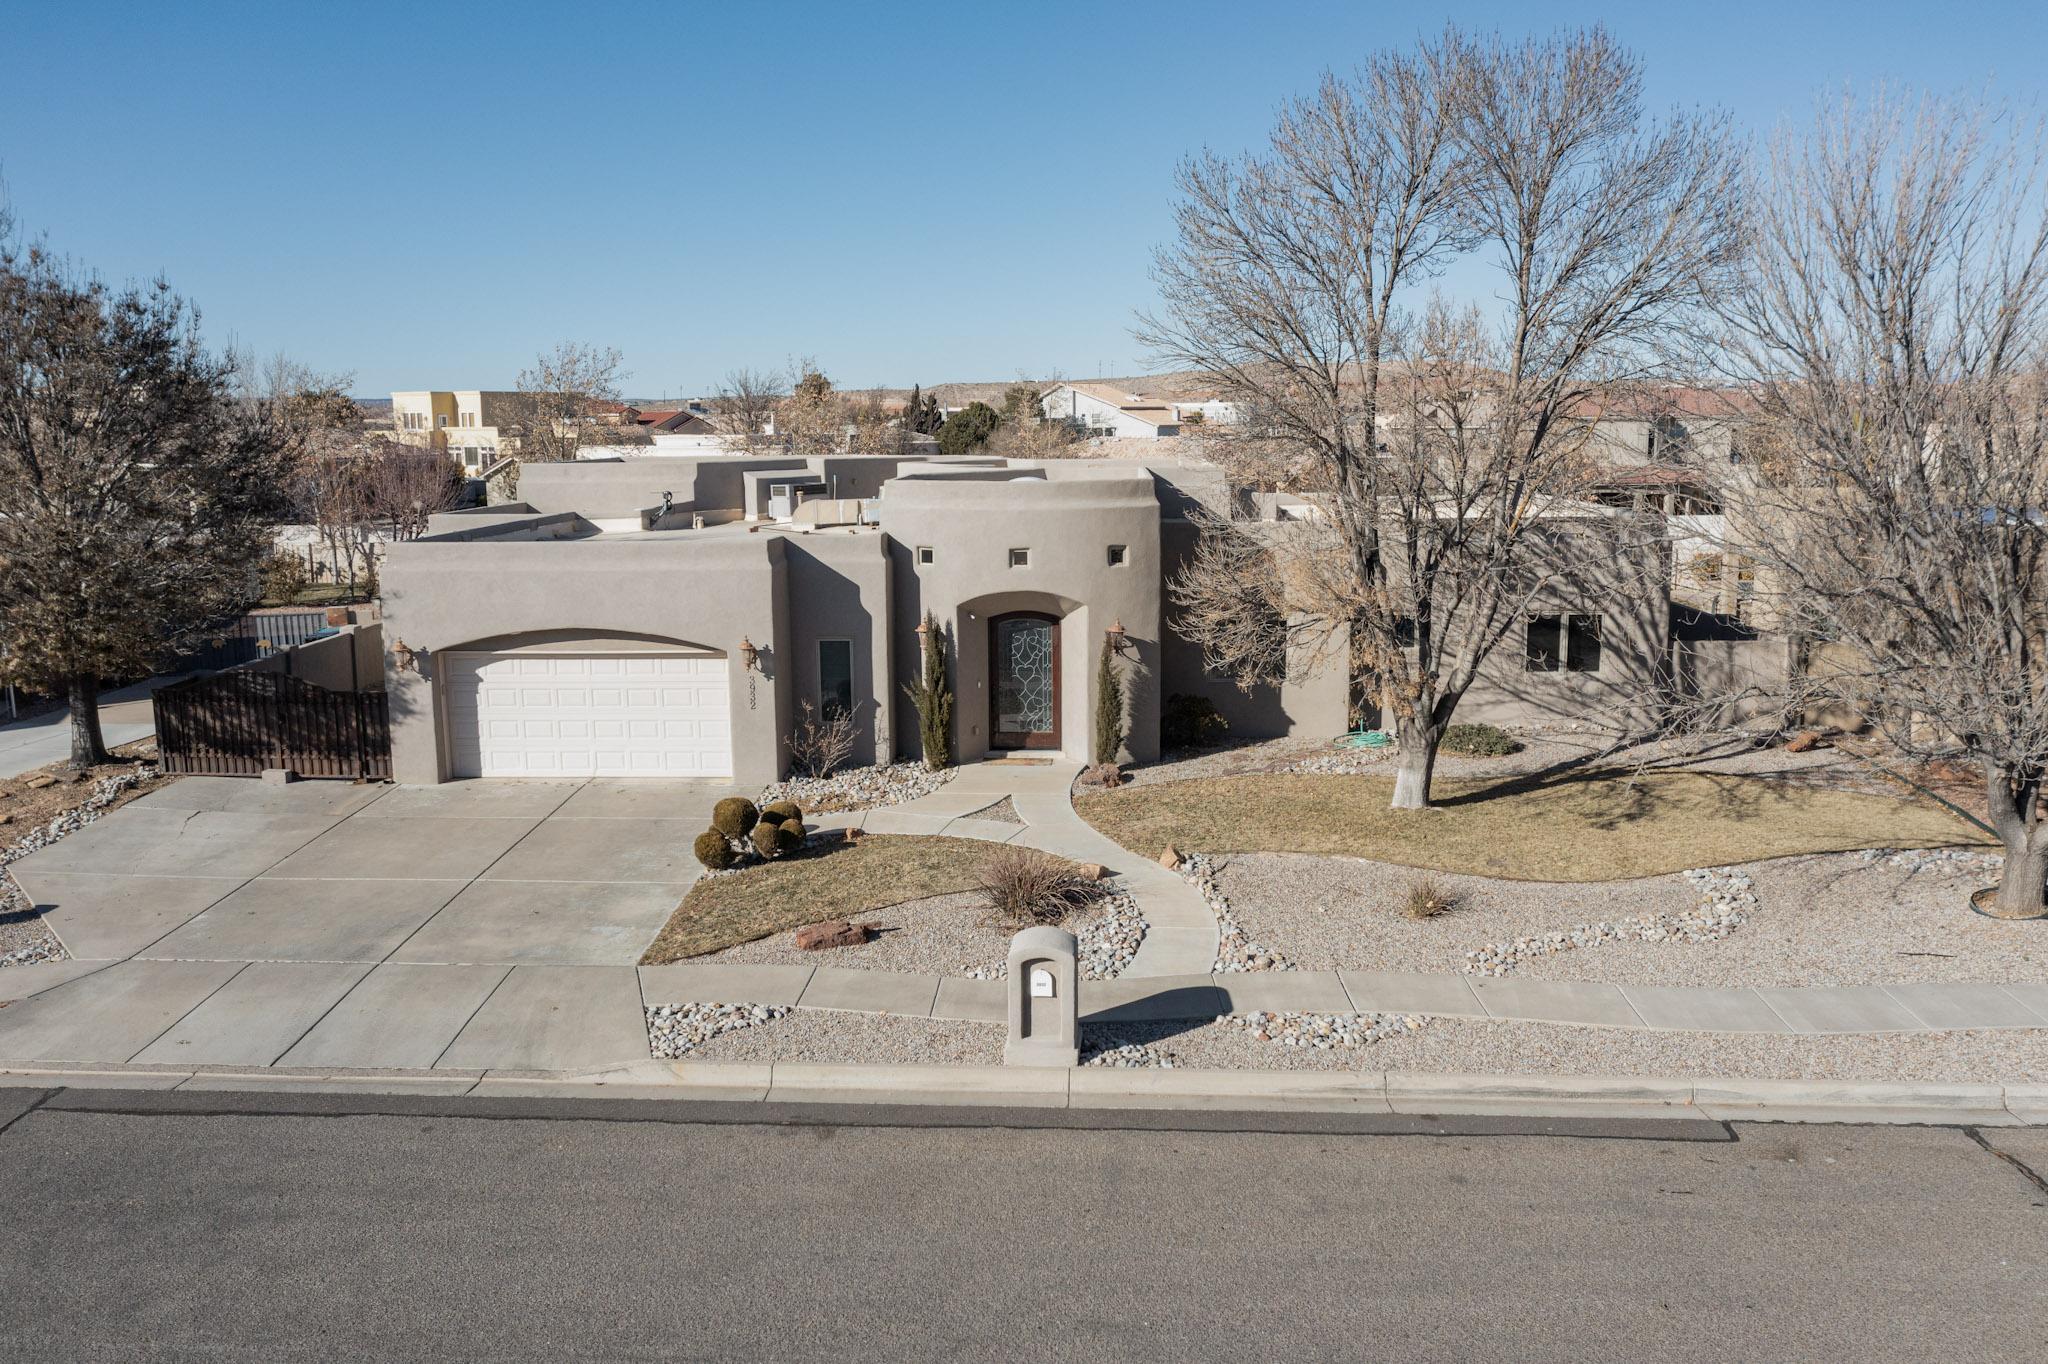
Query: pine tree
{"x": 933, "y": 697}
{"x": 1109, "y": 707}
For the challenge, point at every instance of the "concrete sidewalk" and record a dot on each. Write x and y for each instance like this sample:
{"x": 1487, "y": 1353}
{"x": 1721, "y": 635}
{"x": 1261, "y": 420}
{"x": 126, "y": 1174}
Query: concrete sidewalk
{"x": 125, "y": 716}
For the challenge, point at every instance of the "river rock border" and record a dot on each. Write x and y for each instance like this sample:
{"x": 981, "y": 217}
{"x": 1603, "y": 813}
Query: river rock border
{"x": 859, "y": 788}
{"x": 1727, "y": 898}
{"x": 676, "y": 1030}
{"x": 1235, "y": 949}
{"x": 1326, "y": 1032}
{"x": 46, "y": 946}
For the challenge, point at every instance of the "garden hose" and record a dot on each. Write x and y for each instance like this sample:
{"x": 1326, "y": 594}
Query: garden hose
{"x": 1366, "y": 738}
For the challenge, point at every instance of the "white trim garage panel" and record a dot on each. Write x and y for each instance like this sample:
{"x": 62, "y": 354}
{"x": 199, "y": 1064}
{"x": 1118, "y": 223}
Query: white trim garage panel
{"x": 586, "y": 715}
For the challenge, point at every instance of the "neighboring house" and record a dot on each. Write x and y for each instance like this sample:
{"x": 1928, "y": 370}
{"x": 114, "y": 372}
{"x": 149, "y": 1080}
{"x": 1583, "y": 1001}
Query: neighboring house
{"x": 468, "y": 424}
{"x": 1102, "y": 410}
{"x": 667, "y": 616}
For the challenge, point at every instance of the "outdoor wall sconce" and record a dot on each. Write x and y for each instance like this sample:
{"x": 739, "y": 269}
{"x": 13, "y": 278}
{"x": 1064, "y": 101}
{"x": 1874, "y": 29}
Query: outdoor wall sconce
{"x": 750, "y": 657}
{"x": 406, "y": 658}
{"x": 1119, "y": 642}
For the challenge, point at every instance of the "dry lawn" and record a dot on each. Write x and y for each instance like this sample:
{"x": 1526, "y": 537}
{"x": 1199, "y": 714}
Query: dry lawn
{"x": 1582, "y": 826}
{"x": 825, "y": 882}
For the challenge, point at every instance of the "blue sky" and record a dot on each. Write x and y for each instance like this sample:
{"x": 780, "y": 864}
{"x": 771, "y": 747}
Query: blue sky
{"x": 428, "y": 194}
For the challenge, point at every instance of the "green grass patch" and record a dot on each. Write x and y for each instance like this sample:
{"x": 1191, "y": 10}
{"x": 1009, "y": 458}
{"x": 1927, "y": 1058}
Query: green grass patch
{"x": 829, "y": 881}
{"x": 1582, "y": 826}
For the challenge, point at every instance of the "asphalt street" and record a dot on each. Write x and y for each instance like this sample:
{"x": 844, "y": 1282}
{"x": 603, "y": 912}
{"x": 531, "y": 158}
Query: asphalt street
{"x": 189, "y": 1226}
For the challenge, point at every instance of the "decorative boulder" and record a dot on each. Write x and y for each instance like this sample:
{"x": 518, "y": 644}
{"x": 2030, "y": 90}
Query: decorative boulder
{"x": 1170, "y": 859}
{"x": 1094, "y": 871}
{"x": 831, "y": 933}
{"x": 1802, "y": 741}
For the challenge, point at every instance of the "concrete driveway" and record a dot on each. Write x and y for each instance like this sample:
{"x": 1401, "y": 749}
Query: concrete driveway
{"x": 476, "y": 925}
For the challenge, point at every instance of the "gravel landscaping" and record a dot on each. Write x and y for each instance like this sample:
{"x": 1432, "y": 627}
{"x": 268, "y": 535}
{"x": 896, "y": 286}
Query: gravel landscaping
{"x": 858, "y": 788}
{"x": 949, "y": 935}
{"x": 1444, "y": 1045}
{"x": 46, "y": 814}
{"x": 828, "y": 1037}
{"x": 1003, "y": 811}
{"x": 1833, "y": 919}
{"x": 676, "y": 1030}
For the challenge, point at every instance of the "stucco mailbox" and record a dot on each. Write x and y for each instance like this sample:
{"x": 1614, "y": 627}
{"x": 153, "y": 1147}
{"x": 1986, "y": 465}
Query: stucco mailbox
{"x": 1044, "y": 1008}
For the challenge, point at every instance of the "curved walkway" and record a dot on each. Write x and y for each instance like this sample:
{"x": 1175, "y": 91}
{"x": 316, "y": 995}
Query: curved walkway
{"x": 1180, "y": 931}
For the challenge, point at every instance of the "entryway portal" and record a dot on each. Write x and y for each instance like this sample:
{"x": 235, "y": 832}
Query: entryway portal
{"x": 1024, "y": 686}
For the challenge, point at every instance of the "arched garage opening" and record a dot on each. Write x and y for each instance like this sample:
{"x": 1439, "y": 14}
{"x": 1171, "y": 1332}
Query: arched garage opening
{"x": 570, "y": 703}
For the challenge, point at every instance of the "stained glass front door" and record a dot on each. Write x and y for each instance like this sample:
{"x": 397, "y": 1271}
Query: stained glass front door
{"x": 1025, "y": 690}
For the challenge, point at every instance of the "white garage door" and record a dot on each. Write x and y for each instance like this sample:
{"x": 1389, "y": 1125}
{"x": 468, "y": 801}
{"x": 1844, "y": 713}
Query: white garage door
{"x": 562, "y": 715}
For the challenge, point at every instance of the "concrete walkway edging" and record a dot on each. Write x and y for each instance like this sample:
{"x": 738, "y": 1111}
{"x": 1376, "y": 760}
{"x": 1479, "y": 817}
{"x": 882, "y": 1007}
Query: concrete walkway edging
{"x": 1186, "y": 1090}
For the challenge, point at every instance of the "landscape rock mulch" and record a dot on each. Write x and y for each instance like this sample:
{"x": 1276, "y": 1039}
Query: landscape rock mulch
{"x": 1236, "y": 950}
{"x": 676, "y": 1030}
{"x": 24, "y": 938}
{"x": 858, "y": 788}
{"x": 1727, "y": 898}
{"x": 952, "y": 935}
{"x": 1323, "y": 1032}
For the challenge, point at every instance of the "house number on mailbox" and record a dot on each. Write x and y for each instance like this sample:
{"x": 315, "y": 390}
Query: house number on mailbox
{"x": 1041, "y": 983}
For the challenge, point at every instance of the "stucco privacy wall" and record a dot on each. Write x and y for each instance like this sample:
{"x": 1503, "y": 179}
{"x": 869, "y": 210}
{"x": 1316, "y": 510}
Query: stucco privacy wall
{"x": 839, "y": 588}
{"x": 351, "y": 659}
{"x": 1067, "y": 524}
{"x": 613, "y": 489}
{"x": 1315, "y": 700}
{"x": 710, "y": 592}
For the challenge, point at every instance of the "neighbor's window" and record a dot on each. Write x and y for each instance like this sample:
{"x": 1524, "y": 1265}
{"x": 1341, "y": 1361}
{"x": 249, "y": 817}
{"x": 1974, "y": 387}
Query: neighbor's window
{"x": 1020, "y": 558}
{"x": 1116, "y": 556}
{"x": 835, "y": 677}
{"x": 1582, "y": 644}
{"x": 924, "y": 554}
{"x": 1570, "y": 642}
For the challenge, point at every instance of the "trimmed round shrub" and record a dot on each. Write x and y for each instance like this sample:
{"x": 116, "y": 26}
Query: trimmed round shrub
{"x": 781, "y": 812}
{"x": 714, "y": 850}
{"x": 735, "y": 816}
{"x": 1191, "y": 722}
{"x": 1478, "y": 741}
{"x": 773, "y": 840}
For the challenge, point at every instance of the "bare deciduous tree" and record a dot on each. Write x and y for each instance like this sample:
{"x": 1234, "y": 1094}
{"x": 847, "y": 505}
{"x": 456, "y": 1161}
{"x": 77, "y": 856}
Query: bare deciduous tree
{"x": 744, "y": 406}
{"x": 403, "y": 485}
{"x": 1893, "y": 329}
{"x": 1435, "y": 449}
{"x": 557, "y": 397}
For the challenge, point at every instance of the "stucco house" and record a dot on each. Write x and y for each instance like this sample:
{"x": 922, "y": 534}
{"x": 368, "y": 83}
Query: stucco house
{"x": 669, "y": 616}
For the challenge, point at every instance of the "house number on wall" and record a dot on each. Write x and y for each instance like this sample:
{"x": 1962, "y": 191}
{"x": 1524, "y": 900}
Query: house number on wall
{"x": 1041, "y": 983}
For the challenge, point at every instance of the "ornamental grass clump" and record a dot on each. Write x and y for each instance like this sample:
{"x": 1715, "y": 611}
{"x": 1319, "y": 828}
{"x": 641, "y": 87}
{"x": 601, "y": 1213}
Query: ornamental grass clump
{"x": 1024, "y": 887}
{"x": 1427, "y": 897}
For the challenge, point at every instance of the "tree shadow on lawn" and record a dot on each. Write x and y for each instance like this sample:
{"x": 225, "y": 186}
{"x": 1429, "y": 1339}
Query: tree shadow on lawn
{"x": 1608, "y": 798}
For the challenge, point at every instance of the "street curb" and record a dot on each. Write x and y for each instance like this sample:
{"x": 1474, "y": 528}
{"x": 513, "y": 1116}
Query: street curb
{"x": 1177, "y": 1089}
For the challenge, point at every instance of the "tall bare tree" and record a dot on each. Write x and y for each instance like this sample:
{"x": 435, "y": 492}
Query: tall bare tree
{"x": 555, "y": 406}
{"x": 137, "y": 490}
{"x": 1438, "y": 449}
{"x": 402, "y": 485}
{"x": 1893, "y": 330}
{"x": 744, "y": 406}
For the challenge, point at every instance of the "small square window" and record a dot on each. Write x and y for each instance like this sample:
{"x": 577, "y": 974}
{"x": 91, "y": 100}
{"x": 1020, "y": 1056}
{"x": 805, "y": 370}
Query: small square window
{"x": 924, "y": 554}
{"x": 1116, "y": 556}
{"x": 1020, "y": 558}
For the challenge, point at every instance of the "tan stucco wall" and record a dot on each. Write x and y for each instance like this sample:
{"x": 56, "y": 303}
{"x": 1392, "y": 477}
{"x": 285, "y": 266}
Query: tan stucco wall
{"x": 445, "y": 595}
{"x": 1068, "y": 524}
